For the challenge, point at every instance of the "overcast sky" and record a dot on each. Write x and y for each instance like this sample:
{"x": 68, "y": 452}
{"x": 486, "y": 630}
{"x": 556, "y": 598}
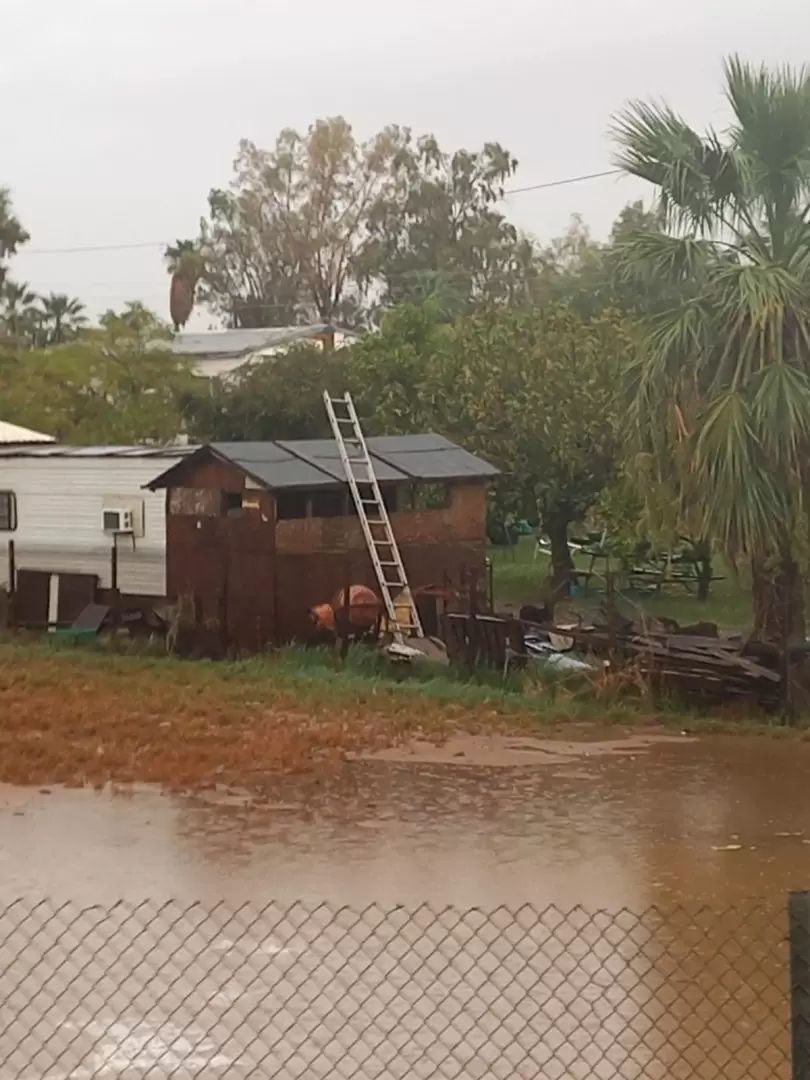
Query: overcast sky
{"x": 119, "y": 115}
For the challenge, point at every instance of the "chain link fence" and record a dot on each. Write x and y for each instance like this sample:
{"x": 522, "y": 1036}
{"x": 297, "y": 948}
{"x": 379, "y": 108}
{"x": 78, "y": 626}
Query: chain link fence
{"x": 173, "y": 990}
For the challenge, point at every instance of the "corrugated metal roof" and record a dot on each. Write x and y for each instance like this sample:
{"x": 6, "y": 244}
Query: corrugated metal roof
{"x": 233, "y": 343}
{"x": 50, "y": 450}
{"x": 314, "y": 463}
{"x": 12, "y": 433}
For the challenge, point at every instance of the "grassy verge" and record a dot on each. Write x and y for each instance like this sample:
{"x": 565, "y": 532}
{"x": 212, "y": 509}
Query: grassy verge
{"x": 86, "y": 716}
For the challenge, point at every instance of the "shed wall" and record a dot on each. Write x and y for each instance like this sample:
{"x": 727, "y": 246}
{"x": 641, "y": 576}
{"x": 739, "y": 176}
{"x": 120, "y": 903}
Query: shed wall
{"x": 464, "y": 520}
{"x": 304, "y": 580}
{"x": 224, "y": 566}
{"x": 59, "y": 519}
{"x": 263, "y": 576}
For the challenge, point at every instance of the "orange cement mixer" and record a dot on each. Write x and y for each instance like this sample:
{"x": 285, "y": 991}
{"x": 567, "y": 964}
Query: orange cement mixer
{"x": 364, "y": 609}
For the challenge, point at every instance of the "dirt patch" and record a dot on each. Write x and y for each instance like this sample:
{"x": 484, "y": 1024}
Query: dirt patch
{"x": 506, "y": 751}
{"x": 183, "y": 726}
{"x": 95, "y": 720}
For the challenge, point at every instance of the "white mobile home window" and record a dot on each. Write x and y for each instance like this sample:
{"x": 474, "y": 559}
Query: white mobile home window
{"x": 8, "y": 511}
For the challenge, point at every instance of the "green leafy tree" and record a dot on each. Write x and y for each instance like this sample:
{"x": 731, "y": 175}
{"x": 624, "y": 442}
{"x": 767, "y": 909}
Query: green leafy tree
{"x": 135, "y": 328}
{"x": 578, "y": 270}
{"x": 107, "y": 386}
{"x": 532, "y": 391}
{"x": 84, "y": 392}
{"x": 724, "y": 375}
{"x": 12, "y": 234}
{"x": 442, "y": 223}
{"x": 285, "y": 243}
{"x": 326, "y": 228}
{"x": 279, "y": 398}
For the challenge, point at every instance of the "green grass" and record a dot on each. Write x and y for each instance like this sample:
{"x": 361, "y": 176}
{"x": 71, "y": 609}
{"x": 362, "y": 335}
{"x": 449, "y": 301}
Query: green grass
{"x": 368, "y": 678}
{"x": 520, "y": 579}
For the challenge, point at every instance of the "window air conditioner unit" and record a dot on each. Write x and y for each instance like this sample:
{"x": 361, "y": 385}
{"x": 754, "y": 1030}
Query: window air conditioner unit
{"x": 118, "y": 521}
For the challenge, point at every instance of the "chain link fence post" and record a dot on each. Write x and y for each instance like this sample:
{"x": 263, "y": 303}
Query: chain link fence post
{"x": 799, "y": 939}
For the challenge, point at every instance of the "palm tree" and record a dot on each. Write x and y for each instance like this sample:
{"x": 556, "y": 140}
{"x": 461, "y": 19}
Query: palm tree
{"x": 186, "y": 264}
{"x": 722, "y": 385}
{"x": 62, "y": 317}
{"x": 18, "y": 312}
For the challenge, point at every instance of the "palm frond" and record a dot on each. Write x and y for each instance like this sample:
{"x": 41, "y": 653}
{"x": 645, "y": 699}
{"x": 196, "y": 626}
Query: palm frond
{"x": 772, "y": 135}
{"x": 656, "y": 256}
{"x": 781, "y": 414}
{"x": 742, "y": 502}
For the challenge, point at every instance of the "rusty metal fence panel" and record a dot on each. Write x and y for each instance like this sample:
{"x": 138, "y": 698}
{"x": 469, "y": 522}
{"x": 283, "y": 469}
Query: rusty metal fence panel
{"x": 173, "y": 990}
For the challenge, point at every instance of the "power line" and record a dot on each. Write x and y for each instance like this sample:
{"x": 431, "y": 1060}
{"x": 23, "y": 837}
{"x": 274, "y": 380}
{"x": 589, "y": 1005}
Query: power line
{"x": 91, "y": 248}
{"x": 562, "y": 183}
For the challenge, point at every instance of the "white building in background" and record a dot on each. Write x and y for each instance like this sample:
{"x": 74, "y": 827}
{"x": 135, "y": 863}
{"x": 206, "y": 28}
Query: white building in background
{"x": 11, "y": 433}
{"x": 225, "y": 352}
{"x": 65, "y": 507}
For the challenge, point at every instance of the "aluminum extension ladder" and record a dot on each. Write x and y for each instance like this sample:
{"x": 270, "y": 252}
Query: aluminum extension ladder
{"x": 403, "y": 618}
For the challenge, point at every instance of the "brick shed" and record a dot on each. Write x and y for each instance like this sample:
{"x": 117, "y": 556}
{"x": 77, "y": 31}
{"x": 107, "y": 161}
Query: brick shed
{"x": 259, "y": 532}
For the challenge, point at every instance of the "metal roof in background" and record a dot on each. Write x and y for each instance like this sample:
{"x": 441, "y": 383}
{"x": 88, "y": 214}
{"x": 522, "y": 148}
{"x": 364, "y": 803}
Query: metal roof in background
{"x": 58, "y": 450}
{"x": 313, "y": 463}
{"x": 13, "y": 433}
{"x": 233, "y": 343}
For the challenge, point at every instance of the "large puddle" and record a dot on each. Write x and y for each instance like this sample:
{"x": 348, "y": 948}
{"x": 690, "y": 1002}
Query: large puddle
{"x": 644, "y": 822}
{"x": 102, "y": 990}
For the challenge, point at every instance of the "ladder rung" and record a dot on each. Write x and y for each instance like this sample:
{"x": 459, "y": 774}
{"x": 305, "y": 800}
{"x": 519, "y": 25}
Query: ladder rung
{"x": 359, "y": 469}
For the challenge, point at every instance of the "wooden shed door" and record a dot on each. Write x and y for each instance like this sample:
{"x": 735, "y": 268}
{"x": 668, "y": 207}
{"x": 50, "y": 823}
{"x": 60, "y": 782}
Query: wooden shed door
{"x": 225, "y": 565}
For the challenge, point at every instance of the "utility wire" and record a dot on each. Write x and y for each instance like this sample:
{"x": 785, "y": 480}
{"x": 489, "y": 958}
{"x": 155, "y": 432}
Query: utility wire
{"x": 163, "y": 243}
{"x": 562, "y": 183}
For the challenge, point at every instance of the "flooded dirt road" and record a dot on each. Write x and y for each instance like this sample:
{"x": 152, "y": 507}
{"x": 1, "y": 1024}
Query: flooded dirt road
{"x": 633, "y": 823}
{"x": 102, "y": 990}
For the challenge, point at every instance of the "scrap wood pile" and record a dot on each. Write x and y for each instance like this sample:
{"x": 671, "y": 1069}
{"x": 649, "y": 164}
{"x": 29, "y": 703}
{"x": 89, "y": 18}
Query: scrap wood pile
{"x": 710, "y": 667}
{"x": 700, "y": 664}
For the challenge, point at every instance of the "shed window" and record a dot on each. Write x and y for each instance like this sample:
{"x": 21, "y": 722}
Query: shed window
{"x": 390, "y": 496}
{"x": 232, "y": 503}
{"x": 8, "y": 511}
{"x": 431, "y": 497}
{"x": 291, "y": 505}
{"x": 329, "y": 504}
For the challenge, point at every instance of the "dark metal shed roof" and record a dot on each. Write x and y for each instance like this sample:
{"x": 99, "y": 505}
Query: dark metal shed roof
{"x": 430, "y": 457}
{"x": 313, "y": 463}
{"x": 324, "y": 455}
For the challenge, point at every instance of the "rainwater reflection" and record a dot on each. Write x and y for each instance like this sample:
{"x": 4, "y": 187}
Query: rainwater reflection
{"x": 719, "y": 820}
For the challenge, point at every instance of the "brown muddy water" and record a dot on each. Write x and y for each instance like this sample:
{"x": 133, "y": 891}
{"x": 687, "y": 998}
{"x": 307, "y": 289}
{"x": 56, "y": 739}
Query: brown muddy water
{"x": 630, "y": 822}
{"x": 194, "y": 988}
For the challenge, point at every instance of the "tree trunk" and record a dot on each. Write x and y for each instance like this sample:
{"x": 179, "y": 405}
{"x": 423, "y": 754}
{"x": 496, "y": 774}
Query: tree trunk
{"x": 704, "y": 578}
{"x": 562, "y": 565}
{"x": 778, "y": 594}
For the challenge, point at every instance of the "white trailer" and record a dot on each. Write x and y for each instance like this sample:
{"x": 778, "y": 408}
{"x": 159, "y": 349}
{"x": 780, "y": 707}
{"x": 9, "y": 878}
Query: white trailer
{"x": 66, "y": 507}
